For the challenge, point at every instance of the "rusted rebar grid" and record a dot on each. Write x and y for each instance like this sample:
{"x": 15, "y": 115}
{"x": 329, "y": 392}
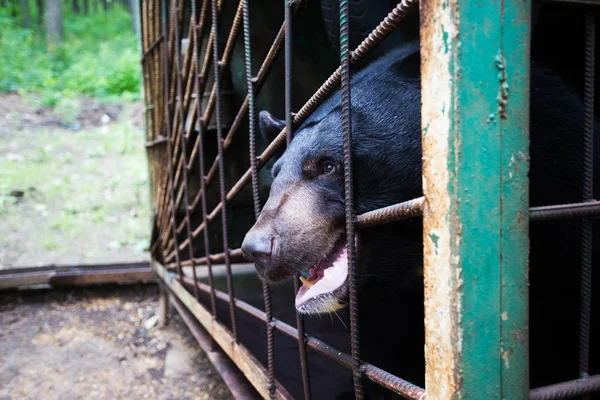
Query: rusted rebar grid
{"x": 203, "y": 118}
{"x": 177, "y": 161}
{"x": 208, "y": 112}
{"x": 414, "y": 208}
{"x": 206, "y": 116}
{"x": 258, "y": 82}
{"x": 371, "y": 41}
{"x": 373, "y": 373}
{"x": 250, "y": 83}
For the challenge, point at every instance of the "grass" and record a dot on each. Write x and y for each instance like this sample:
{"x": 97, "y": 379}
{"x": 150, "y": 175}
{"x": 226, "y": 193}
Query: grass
{"x": 82, "y": 193}
{"x": 71, "y": 195}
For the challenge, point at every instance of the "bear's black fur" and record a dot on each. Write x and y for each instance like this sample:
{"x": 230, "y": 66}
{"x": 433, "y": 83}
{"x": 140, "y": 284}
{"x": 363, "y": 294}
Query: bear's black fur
{"x": 387, "y": 170}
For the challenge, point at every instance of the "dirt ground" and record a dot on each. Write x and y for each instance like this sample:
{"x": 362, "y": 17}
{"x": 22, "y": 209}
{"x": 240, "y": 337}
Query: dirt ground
{"x": 73, "y": 182}
{"x": 98, "y": 343}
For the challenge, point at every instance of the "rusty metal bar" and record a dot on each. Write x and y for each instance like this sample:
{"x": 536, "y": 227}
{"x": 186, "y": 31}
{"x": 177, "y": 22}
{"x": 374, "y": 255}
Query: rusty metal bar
{"x": 168, "y": 130}
{"x": 397, "y": 212}
{"x": 564, "y": 211}
{"x": 288, "y": 139}
{"x": 238, "y": 385}
{"x": 357, "y": 372}
{"x": 567, "y": 390}
{"x": 250, "y": 83}
{"x": 375, "y": 374}
{"x": 199, "y": 148}
{"x": 217, "y": 79}
{"x": 157, "y": 141}
{"x": 151, "y": 48}
{"x": 235, "y": 256}
{"x": 183, "y": 140}
{"x": 588, "y": 195}
{"x": 66, "y": 275}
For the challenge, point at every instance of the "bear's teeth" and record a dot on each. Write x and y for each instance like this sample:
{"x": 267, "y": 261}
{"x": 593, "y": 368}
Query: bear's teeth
{"x": 306, "y": 282}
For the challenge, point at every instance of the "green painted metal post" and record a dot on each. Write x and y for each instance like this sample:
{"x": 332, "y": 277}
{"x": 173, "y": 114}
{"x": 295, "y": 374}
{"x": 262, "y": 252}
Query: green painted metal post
{"x": 475, "y": 122}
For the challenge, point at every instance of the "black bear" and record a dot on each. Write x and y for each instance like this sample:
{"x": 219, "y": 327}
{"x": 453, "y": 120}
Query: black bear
{"x": 301, "y": 227}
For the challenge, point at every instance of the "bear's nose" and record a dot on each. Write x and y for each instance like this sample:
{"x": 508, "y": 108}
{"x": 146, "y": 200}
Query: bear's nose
{"x": 259, "y": 248}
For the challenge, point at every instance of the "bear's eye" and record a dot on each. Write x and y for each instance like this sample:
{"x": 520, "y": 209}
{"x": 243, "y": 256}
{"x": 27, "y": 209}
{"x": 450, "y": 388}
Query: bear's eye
{"x": 327, "y": 167}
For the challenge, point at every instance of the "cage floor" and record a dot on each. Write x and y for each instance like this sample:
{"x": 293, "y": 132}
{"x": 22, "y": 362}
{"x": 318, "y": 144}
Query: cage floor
{"x": 99, "y": 343}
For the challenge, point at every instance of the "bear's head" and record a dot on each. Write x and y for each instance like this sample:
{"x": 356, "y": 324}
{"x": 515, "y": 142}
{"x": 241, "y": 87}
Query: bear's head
{"x": 302, "y": 225}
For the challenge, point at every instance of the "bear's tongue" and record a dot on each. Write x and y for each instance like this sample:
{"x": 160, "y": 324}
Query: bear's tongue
{"x": 326, "y": 276}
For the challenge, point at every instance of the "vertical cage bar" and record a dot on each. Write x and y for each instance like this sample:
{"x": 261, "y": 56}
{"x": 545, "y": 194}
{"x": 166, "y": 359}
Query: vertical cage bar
{"x": 183, "y": 142}
{"x": 588, "y": 195}
{"x": 349, "y": 195}
{"x": 167, "y": 123}
{"x": 475, "y": 163}
{"x": 217, "y": 68}
{"x": 288, "y": 5}
{"x": 250, "y": 82}
{"x": 197, "y": 31}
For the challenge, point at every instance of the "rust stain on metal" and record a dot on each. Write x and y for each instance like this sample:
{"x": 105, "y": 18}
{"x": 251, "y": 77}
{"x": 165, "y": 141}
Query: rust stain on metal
{"x": 443, "y": 340}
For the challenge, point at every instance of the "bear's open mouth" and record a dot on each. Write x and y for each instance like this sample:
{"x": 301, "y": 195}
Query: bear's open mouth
{"x": 326, "y": 277}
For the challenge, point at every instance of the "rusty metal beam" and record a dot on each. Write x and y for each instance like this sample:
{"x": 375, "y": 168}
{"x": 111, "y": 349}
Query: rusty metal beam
{"x": 375, "y": 374}
{"x": 67, "y": 275}
{"x": 475, "y": 163}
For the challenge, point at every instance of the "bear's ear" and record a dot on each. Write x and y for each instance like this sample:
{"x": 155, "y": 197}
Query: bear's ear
{"x": 269, "y": 126}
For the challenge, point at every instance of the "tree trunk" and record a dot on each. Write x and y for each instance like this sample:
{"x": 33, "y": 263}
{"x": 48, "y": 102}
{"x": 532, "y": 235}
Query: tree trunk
{"x": 54, "y": 23}
{"x": 95, "y": 6}
{"x": 86, "y": 7}
{"x": 40, "y": 14}
{"x": 104, "y": 5}
{"x": 75, "y": 6}
{"x": 25, "y": 16}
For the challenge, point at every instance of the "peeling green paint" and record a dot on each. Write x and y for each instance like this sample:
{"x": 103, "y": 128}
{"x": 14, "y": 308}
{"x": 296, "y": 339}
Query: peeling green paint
{"x": 484, "y": 195}
{"x": 434, "y": 238}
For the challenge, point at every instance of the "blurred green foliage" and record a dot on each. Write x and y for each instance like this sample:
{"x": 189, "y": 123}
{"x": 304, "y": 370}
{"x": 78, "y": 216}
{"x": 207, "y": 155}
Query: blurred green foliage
{"x": 98, "y": 57}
